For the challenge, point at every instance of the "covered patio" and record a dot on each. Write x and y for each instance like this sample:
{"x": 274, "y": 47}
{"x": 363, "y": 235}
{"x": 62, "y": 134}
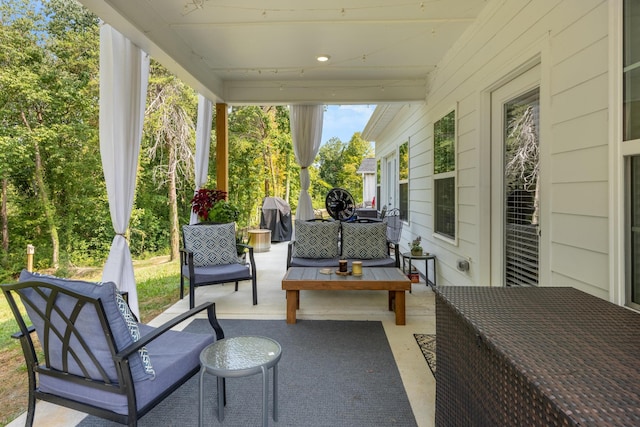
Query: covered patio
{"x": 417, "y": 379}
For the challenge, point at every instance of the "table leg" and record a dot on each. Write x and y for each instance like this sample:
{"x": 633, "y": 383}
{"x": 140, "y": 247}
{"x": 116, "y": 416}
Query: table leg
{"x": 292, "y": 302}
{"x": 275, "y": 392}
{"x": 265, "y": 396}
{"x": 201, "y": 409}
{"x": 220, "y": 399}
{"x": 400, "y": 308}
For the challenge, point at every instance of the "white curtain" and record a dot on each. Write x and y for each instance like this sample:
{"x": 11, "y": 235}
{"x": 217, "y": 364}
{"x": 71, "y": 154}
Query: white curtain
{"x": 203, "y": 138}
{"x": 124, "y": 74}
{"x": 306, "y": 132}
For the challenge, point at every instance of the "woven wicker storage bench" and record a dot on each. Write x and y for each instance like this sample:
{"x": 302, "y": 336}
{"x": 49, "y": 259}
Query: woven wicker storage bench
{"x": 535, "y": 357}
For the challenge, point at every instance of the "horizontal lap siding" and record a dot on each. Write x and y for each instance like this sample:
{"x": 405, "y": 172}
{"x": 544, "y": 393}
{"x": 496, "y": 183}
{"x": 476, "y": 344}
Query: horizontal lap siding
{"x": 579, "y": 164}
{"x": 571, "y": 38}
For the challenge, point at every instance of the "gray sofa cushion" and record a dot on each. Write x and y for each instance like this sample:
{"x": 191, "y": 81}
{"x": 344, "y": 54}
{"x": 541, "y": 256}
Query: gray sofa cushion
{"x": 211, "y": 244}
{"x": 90, "y": 329}
{"x": 316, "y": 239}
{"x": 333, "y": 262}
{"x": 364, "y": 240}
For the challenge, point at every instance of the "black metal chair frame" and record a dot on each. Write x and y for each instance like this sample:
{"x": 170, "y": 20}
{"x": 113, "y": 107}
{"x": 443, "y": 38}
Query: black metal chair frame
{"x": 186, "y": 259}
{"x": 125, "y": 384}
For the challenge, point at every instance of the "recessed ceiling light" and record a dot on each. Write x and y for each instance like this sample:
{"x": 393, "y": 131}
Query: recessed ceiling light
{"x": 323, "y": 58}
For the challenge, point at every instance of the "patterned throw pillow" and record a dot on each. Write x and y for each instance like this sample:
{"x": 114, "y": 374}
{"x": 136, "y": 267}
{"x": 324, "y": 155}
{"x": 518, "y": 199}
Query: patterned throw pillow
{"x": 315, "y": 239}
{"x": 364, "y": 240}
{"x": 211, "y": 244}
{"x": 134, "y": 330}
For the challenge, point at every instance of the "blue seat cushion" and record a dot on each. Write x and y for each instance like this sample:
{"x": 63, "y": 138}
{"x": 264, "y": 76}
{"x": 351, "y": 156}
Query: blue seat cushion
{"x": 174, "y": 354}
{"x": 218, "y": 273}
{"x": 333, "y": 262}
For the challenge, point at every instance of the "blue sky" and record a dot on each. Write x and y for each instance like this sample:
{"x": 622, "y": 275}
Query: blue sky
{"x": 342, "y": 121}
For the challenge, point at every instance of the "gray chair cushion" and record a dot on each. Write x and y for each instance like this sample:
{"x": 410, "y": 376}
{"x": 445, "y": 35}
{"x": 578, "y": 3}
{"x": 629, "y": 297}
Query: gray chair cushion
{"x": 364, "y": 240}
{"x": 174, "y": 354}
{"x": 316, "y": 239}
{"x": 90, "y": 329}
{"x": 211, "y": 244}
{"x": 219, "y": 273}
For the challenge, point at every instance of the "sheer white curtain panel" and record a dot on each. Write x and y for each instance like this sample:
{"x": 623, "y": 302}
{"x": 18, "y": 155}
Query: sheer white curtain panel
{"x": 203, "y": 139}
{"x": 124, "y": 74}
{"x": 306, "y": 132}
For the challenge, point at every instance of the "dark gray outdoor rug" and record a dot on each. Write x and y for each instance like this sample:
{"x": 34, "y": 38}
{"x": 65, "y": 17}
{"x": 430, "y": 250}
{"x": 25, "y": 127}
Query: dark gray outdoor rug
{"x": 427, "y": 344}
{"x": 331, "y": 374}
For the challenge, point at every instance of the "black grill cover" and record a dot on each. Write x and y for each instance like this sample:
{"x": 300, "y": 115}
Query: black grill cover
{"x": 276, "y": 216}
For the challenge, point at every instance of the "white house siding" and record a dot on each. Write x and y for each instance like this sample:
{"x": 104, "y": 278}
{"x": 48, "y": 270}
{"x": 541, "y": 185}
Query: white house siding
{"x": 570, "y": 41}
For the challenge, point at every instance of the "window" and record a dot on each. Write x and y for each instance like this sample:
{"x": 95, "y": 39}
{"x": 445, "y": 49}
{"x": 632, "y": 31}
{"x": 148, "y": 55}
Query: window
{"x": 403, "y": 181}
{"x": 631, "y": 131}
{"x": 444, "y": 180}
{"x": 633, "y": 225}
{"x": 631, "y": 75}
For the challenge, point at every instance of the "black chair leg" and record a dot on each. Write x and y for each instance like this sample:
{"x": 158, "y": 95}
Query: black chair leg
{"x": 236, "y": 286}
{"x": 255, "y": 291}
{"x": 192, "y": 295}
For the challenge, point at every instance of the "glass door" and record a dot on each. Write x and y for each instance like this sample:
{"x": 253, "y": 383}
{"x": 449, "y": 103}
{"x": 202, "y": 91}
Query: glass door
{"x": 515, "y": 182}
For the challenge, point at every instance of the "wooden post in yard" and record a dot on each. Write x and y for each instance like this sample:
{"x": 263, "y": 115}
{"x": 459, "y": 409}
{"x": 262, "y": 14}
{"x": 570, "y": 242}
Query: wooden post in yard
{"x": 30, "y": 251}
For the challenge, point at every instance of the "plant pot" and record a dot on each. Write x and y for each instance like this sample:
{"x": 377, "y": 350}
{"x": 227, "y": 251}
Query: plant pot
{"x": 416, "y": 252}
{"x": 242, "y": 259}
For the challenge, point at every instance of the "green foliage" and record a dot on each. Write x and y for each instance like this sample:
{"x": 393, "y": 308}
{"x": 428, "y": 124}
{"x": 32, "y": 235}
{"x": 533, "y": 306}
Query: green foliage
{"x": 223, "y": 211}
{"x": 444, "y": 138}
{"x": 337, "y": 164}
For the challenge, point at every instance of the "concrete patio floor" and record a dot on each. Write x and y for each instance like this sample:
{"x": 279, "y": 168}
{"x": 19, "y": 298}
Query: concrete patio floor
{"x": 315, "y": 305}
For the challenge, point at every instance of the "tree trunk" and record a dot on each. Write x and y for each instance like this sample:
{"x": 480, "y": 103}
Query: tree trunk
{"x": 48, "y": 208}
{"x": 173, "y": 202}
{"x": 4, "y": 216}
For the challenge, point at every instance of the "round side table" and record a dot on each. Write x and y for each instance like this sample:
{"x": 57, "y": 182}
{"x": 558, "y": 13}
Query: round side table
{"x": 426, "y": 258}
{"x": 240, "y": 357}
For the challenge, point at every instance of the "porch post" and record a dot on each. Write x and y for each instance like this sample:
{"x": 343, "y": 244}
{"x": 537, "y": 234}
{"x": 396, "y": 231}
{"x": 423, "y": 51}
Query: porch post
{"x": 222, "y": 147}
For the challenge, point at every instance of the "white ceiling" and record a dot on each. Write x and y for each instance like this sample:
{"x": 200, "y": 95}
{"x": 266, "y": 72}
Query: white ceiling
{"x": 259, "y": 51}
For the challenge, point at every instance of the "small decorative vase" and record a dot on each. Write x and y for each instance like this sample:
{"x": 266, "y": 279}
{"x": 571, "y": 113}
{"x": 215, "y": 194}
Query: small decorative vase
{"x": 416, "y": 251}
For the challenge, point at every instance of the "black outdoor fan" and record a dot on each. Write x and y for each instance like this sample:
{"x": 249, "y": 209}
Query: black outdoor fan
{"x": 340, "y": 204}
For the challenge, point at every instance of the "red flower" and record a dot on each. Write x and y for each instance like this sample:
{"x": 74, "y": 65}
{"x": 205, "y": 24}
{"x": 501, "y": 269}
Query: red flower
{"x": 204, "y": 199}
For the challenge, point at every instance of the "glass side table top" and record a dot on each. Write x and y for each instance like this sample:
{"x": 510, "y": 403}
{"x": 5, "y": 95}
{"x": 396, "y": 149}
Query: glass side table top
{"x": 239, "y": 355}
{"x": 424, "y": 255}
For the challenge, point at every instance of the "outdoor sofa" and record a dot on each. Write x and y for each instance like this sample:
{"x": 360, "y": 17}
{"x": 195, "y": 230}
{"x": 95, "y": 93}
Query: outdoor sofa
{"x": 324, "y": 243}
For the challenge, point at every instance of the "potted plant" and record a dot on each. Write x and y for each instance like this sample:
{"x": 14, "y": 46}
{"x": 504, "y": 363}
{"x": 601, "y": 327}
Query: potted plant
{"x": 223, "y": 212}
{"x": 241, "y": 239}
{"x": 416, "y": 246}
{"x": 204, "y": 200}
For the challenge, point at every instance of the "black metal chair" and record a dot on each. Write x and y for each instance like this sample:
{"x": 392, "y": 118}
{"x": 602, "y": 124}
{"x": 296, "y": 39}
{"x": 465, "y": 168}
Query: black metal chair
{"x": 210, "y": 257}
{"x": 97, "y": 358}
{"x": 394, "y": 227}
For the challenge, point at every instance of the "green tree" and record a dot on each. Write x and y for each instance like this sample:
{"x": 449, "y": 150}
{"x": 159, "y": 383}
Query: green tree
{"x": 338, "y": 162}
{"x": 48, "y": 116}
{"x": 170, "y": 138}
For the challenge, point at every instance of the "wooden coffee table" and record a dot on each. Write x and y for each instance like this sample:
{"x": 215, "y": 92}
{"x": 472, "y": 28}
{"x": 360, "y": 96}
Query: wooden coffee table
{"x": 372, "y": 279}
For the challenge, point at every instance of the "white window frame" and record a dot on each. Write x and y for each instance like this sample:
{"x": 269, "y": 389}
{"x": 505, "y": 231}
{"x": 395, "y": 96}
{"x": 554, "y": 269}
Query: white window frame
{"x": 446, "y": 175}
{"x": 401, "y": 181}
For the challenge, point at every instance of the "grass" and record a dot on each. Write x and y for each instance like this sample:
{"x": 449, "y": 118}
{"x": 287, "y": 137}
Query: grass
{"x": 157, "y": 282}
